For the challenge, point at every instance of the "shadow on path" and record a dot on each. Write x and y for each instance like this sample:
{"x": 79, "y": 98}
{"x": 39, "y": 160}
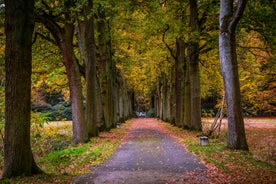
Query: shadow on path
{"x": 147, "y": 156}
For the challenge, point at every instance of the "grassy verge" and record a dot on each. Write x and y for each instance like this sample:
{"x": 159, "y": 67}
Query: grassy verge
{"x": 256, "y": 166}
{"x": 61, "y": 160}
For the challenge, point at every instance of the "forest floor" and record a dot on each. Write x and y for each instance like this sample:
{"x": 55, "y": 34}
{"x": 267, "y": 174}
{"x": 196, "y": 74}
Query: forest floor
{"x": 148, "y": 154}
{"x": 156, "y": 152}
{"x": 148, "y": 142}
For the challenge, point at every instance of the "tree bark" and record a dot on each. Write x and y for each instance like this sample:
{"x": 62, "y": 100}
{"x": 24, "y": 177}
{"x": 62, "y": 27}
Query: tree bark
{"x": 19, "y": 25}
{"x": 86, "y": 31}
{"x": 229, "y": 19}
{"x": 172, "y": 95}
{"x": 193, "y": 60}
{"x": 166, "y": 98}
{"x": 105, "y": 68}
{"x": 186, "y": 116}
{"x": 75, "y": 86}
{"x": 179, "y": 77}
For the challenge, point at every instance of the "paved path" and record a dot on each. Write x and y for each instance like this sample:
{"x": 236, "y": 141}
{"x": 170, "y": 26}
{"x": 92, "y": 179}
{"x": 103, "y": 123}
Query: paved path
{"x": 147, "y": 156}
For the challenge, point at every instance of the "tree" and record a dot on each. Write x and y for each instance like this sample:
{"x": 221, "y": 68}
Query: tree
{"x": 230, "y": 14}
{"x": 256, "y": 47}
{"x": 193, "y": 65}
{"x": 19, "y": 25}
{"x": 105, "y": 65}
{"x": 86, "y": 31}
{"x": 62, "y": 30}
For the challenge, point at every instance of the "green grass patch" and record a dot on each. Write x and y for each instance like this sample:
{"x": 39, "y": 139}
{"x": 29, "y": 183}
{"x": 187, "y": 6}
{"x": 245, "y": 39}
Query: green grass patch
{"x": 61, "y": 160}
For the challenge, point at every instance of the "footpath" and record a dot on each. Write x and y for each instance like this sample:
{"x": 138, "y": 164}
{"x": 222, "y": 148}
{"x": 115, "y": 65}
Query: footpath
{"x": 148, "y": 155}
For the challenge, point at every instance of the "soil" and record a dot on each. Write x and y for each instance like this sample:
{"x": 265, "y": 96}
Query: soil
{"x": 255, "y": 122}
{"x": 148, "y": 155}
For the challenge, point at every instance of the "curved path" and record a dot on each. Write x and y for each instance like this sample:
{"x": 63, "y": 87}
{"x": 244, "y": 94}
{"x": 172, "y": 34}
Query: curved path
{"x": 148, "y": 155}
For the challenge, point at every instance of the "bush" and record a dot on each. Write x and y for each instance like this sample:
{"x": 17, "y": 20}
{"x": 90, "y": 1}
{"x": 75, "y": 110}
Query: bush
{"x": 151, "y": 113}
{"x": 57, "y": 112}
{"x": 67, "y": 113}
{"x": 206, "y": 113}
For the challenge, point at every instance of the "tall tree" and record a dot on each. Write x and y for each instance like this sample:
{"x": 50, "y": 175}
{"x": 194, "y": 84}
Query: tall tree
{"x": 87, "y": 39}
{"x": 105, "y": 66}
{"x": 180, "y": 83}
{"x": 230, "y": 15}
{"x": 19, "y": 25}
{"x": 62, "y": 30}
{"x": 193, "y": 65}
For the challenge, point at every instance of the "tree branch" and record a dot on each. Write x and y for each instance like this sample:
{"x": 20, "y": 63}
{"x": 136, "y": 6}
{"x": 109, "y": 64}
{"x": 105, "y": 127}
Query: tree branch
{"x": 46, "y": 19}
{"x": 43, "y": 37}
{"x": 168, "y": 47}
{"x": 237, "y": 14}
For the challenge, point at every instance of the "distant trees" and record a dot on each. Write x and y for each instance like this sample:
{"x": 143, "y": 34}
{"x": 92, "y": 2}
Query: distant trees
{"x": 256, "y": 43}
{"x": 19, "y": 25}
{"x": 186, "y": 54}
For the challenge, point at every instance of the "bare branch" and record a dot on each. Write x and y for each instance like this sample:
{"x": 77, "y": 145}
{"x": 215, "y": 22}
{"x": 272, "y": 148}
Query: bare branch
{"x": 45, "y": 19}
{"x": 43, "y": 37}
{"x": 168, "y": 47}
{"x": 237, "y": 14}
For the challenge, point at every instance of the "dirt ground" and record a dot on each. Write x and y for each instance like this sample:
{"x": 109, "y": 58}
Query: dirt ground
{"x": 147, "y": 155}
{"x": 249, "y": 122}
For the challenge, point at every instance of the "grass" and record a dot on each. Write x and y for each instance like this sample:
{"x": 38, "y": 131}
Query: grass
{"x": 256, "y": 166}
{"x": 60, "y": 159}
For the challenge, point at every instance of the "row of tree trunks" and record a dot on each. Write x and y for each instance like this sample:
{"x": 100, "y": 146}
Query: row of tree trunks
{"x": 187, "y": 85}
{"x": 101, "y": 110}
{"x": 164, "y": 99}
{"x": 123, "y": 100}
{"x": 116, "y": 101}
{"x": 187, "y": 111}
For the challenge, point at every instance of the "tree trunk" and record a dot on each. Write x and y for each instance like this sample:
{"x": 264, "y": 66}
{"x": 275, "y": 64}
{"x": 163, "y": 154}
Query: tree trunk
{"x": 193, "y": 60}
{"x": 179, "y": 77}
{"x": 100, "y": 122}
{"x": 166, "y": 101}
{"x": 86, "y": 27}
{"x": 116, "y": 101}
{"x": 75, "y": 86}
{"x": 19, "y": 25}
{"x": 166, "y": 98}
{"x": 172, "y": 95}
{"x": 105, "y": 69}
{"x": 187, "y": 97}
{"x": 229, "y": 67}
{"x": 64, "y": 40}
